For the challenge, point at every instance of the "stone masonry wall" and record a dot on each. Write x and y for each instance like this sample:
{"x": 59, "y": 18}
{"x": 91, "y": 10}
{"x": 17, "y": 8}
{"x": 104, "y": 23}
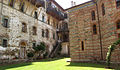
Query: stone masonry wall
{"x": 14, "y": 33}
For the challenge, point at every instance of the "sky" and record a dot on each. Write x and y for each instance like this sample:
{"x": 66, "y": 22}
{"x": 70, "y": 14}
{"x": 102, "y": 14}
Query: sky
{"x": 67, "y": 3}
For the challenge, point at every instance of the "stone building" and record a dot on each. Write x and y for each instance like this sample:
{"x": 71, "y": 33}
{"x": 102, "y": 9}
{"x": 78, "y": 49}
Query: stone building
{"x": 58, "y": 16}
{"x": 93, "y": 27}
{"x": 25, "y": 23}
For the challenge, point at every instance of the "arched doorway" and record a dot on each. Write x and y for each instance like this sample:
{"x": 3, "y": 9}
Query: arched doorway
{"x": 23, "y": 45}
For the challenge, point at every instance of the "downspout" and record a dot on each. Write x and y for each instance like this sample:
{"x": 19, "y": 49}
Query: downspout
{"x": 99, "y": 30}
{"x": 1, "y": 11}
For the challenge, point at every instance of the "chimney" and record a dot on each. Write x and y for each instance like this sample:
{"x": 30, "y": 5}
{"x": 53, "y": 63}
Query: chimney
{"x": 72, "y": 3}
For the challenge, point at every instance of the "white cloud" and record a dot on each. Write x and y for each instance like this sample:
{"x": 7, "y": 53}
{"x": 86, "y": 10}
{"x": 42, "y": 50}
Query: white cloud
{"x": 67, "y": 3}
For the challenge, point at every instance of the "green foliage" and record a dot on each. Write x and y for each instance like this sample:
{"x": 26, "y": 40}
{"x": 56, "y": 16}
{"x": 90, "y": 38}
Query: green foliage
{"x": 30, "y": 54}
{"x": 111, "y": 49}
{"x": 40, "y": 47}
{"x": 44, "y": 55}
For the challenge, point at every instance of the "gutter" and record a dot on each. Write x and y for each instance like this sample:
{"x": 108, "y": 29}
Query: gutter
{"x": 99, "y": 31}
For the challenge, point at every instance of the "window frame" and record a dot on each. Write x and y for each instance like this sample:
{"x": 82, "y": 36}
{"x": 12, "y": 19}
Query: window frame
{"x": 3, "y": 42}
{"x": 34, "y": 29}
{"x": 82, "y": 45}
{"x": 24, "y": 29}
{"x": 94, "y": 31}
{"x": 117, "y": 4}
{"x": 6, "y": 25}
{"x": 43, "y": 18}
{"x": 103, "y": 9}
{"x": 36, "y": 15}
{"x": 33, "y": 44}
{"x": 47, "y": 33}
{"x": 118, "y": 26}
{"x": 93, "y": 15}
{"x": 43, "y": 33}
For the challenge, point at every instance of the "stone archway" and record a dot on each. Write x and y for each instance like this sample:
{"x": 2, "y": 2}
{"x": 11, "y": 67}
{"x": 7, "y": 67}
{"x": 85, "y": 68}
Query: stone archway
{"x": 23, "y": 45}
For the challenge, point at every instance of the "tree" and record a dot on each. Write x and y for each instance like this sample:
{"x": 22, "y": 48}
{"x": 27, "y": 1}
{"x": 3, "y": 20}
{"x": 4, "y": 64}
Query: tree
{"x": 38, "y": 50}
{"x": 111, "y": 49}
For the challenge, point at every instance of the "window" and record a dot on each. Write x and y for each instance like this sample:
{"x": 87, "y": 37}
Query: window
{"x": 93, "y": 15}
{"x": 94, "y": 29}
{"x": 24, "y": 27}
{"x": 47, "y": 33}
{"x": 34, "y": 30}
{"x": 43, "y": 18}
{"x": 82, "y": 45}
{"x": 5, "y": 22}
{"x": 4, "y": 43}
{"x": 118, "y": 25}
{"x": 22, "y": 6}
{"x": 36, "y": 15}
{"x": 11, "y": 3}
{"x": 118, "y": 3}
{"x": 43, "y": 33}
{"x": 53, "y": 35}
{"x": 49, "y": 21}
{"x": 103, "y": 9}
{"x": 34, "y": 44}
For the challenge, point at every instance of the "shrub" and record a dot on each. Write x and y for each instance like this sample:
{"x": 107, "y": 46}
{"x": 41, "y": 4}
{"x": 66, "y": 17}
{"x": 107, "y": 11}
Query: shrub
{"x": 30, "y": 54}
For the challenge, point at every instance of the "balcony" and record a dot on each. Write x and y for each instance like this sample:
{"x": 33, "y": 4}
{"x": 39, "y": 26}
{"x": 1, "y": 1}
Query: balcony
{"x": 38, "y": 3}
{"x": 55, "y": 13}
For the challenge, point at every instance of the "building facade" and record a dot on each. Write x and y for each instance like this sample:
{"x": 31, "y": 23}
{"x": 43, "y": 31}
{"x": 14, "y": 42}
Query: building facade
{"x": 24, "y": 24}
{"x": 93, "y": 27}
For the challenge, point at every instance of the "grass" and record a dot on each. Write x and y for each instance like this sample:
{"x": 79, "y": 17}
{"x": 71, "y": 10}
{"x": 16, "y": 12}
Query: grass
{"x": 56, "y": 64}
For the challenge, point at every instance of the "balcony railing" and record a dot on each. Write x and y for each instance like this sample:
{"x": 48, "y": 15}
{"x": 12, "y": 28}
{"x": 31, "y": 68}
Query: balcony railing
{"x": 55, "y": 13}
{"x": 38, "y": 3}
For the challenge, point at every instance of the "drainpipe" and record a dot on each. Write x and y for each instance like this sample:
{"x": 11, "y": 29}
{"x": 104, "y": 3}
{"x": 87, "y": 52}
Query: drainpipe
{"x": 95, "y": 1}
{"x": 1, "y": 10}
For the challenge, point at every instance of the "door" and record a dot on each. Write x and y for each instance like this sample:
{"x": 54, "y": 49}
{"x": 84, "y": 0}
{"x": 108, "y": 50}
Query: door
{"x": 22, "y": 52}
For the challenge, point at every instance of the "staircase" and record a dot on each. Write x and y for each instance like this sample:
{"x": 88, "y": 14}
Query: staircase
{"x": 55, "y": 50}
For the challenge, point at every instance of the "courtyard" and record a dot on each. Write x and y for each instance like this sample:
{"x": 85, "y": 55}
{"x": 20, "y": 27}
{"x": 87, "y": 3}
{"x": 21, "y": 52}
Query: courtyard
{"x": 54, "y": 64}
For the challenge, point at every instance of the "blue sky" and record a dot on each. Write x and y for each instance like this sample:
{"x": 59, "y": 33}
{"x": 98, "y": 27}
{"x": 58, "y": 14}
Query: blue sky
{"x": 67, "y": 3}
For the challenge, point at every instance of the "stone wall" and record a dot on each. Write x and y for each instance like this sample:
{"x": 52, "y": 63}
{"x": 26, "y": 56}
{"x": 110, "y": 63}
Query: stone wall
{"x": 14, "y": 33}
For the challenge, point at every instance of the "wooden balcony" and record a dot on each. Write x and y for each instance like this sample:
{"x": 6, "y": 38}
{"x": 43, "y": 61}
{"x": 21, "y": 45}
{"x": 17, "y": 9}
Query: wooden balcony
{"x": 55, "y": 13}
{"x": 38, "y": 3}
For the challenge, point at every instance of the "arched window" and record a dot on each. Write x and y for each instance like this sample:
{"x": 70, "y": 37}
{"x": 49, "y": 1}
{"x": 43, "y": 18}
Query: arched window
{"x": 36, "y": 15}
{"x": 24, "y": 27}
{"x": 47, "y": 33}
{"x": 118, "y": 3}
{"x": 43, "y": 32}
{"x": 82, "y": 46}
{"x": 34, "y": 30}
{"x": 48, "y": 21}
{"x": 53, "y": 35}
{"x": 94, "y": 29}
{"x": 103, "y": 9}
{"x": 93, "y": 15}
{"x": 118, "y": 25}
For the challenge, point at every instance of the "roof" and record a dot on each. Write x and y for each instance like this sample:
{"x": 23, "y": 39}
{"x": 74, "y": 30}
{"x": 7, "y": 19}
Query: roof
{"x": 77, "y": 5}
{"x": 57, "y": 5}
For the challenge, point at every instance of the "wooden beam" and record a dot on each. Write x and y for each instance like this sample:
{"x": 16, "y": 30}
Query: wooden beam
{"x": 28, "y": 5}
{"x": 21, "y": 3}
{"x": 34, "y": 9}
{"x": 39, "y": 11}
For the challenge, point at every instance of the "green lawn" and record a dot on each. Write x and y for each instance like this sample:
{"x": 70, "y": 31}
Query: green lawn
{"x": 58, "y": 64}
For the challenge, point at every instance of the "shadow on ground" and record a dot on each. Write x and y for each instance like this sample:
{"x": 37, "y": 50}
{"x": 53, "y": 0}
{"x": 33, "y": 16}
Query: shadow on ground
{"x": 93, "y": 65}
{"x": 5, "y": 67}
{"x": 22, "y": 64}
{"x": 50, "y": 59}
